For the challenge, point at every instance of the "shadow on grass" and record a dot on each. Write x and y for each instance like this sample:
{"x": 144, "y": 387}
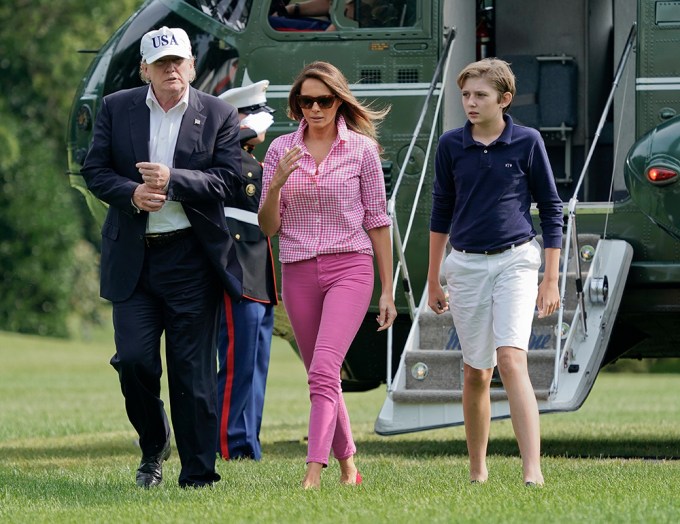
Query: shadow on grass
{"x": 668, "y": 449}
{"x": 621, "y": 447}
{"x": 98, "y": 449}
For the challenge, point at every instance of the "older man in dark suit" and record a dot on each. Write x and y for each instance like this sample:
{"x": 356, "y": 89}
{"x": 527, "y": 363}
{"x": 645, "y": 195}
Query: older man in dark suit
{"x": 166, "y": 158}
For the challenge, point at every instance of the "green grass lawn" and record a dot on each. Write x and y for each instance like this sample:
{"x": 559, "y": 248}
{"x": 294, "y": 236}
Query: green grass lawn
{"x": 67, "y": 454}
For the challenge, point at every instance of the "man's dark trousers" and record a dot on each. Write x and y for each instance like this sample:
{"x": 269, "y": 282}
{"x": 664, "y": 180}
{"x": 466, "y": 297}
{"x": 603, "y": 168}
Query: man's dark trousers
{"x": 178, "y": 293}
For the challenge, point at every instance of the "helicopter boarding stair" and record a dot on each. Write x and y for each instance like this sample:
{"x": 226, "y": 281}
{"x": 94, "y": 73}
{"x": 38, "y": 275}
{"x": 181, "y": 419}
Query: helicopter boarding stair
{"x": 426, "y": 392}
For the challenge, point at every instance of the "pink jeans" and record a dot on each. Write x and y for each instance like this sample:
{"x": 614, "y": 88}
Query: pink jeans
{"x": 326, "y": 299}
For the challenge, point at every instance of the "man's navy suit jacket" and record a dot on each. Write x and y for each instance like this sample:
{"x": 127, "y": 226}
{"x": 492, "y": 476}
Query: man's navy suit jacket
{"x": 206, "y": 173}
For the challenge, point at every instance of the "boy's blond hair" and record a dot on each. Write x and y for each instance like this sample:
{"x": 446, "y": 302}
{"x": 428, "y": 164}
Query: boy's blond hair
{"x": 496, "y": 71}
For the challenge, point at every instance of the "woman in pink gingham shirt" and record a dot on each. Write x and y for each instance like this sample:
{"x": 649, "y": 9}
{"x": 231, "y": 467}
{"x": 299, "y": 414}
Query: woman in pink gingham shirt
{"x": 324, "y": 195}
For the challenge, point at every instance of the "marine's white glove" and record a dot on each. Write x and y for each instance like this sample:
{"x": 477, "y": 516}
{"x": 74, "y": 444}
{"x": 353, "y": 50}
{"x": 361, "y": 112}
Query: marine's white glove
{"x": 258, "y": 122}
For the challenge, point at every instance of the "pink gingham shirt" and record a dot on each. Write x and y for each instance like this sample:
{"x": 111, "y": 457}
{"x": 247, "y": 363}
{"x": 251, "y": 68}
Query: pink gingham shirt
{"x": 327, "y": 209}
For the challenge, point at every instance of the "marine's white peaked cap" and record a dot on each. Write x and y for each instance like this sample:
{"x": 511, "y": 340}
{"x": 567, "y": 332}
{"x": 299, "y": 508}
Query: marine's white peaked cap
{"x": 251, "y": 98}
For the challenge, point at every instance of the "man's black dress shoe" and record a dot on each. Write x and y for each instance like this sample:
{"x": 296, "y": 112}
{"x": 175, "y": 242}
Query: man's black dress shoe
{"x": 150, "y": 471}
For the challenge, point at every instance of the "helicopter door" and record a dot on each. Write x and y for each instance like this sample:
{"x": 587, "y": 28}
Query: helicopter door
{"x": 652, "y": 168}
{"x": 652, "y": 172}
{"x": 658, "y": 75}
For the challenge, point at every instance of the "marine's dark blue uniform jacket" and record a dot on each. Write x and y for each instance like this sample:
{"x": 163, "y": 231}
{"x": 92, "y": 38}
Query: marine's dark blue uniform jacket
{"x": 252, "y": 246}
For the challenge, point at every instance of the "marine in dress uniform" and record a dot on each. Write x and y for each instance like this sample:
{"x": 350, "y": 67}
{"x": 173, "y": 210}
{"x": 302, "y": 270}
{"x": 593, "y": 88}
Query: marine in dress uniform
{"x": 245, "y": 335}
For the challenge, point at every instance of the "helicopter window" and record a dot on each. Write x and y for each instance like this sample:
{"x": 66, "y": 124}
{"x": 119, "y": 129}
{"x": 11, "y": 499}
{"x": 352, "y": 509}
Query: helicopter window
{"x": 546, "y": 100}
{"x": 305, "y": 15}
{"x": 381, "y": 13}
{"x": 232, "y": 13}
{"x": 316, "y": 15}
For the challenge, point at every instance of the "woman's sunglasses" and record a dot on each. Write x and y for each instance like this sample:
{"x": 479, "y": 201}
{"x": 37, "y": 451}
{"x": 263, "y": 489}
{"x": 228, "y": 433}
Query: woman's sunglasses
{"x": 324, "y": 102}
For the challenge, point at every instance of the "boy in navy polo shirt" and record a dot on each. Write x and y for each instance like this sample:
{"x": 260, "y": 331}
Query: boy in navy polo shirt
{"x": 487, "y": 173}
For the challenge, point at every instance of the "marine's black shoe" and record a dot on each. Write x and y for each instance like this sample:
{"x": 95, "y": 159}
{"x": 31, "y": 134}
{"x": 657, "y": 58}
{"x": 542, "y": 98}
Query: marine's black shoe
{"x": 150, "y": 471}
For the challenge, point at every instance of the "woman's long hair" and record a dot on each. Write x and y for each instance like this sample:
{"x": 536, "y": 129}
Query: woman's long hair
{"x": 359, "y": 118}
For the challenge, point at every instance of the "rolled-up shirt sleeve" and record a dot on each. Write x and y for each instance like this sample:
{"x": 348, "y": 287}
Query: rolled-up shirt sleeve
{"x": 373, "y": 196}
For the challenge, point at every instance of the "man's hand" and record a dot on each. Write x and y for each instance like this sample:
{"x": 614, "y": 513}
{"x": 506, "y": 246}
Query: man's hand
{"x": 155, "y": 175}
{"x": 148, "y": 199}
{"x": 258, "y": 122}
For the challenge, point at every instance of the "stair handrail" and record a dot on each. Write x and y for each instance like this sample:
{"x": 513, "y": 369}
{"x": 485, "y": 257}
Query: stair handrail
{"x": 571, "y": 235}
{"x": 442, "y": 65}
{"x": 421, "y": 180}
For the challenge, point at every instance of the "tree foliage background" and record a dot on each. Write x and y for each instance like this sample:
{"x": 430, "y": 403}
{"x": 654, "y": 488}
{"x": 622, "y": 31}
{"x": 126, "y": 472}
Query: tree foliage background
{"x": 48, "y": 269}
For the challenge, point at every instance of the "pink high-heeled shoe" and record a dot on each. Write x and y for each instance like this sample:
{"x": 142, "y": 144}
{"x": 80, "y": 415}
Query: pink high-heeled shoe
{"x": 357, "y": 481}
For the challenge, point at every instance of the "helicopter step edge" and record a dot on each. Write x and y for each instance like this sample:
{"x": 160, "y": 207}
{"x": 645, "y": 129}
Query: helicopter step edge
{"x": 426, "y": 392}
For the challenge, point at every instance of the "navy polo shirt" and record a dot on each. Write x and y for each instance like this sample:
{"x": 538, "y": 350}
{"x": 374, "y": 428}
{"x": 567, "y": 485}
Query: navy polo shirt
{"x": 482, "y": 194}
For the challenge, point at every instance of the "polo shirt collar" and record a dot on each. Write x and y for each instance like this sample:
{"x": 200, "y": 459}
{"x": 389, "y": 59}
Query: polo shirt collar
{"x": 505, "y": 137}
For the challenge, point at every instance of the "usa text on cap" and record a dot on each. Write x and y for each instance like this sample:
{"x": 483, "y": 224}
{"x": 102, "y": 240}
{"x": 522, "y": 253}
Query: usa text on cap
{"x": 250, "y": 98}
{"x": 165, "y": 42}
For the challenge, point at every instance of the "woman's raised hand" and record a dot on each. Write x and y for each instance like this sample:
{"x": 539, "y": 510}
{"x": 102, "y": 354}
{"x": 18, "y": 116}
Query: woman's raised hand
{"x": 287, "y": 164}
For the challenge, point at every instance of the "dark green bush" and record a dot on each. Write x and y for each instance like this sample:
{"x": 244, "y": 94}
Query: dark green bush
{"x": 648, "y": 365}
{"x": 38, "y": 232}
{"x": 48, "y": 275}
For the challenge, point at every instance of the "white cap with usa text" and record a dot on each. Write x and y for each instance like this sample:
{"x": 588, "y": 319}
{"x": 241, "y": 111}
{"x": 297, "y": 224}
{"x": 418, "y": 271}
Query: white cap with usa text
{"x": 165, "y": 42}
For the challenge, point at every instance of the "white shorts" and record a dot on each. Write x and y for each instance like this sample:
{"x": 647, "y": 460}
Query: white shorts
{"x": 492, "y": 299}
